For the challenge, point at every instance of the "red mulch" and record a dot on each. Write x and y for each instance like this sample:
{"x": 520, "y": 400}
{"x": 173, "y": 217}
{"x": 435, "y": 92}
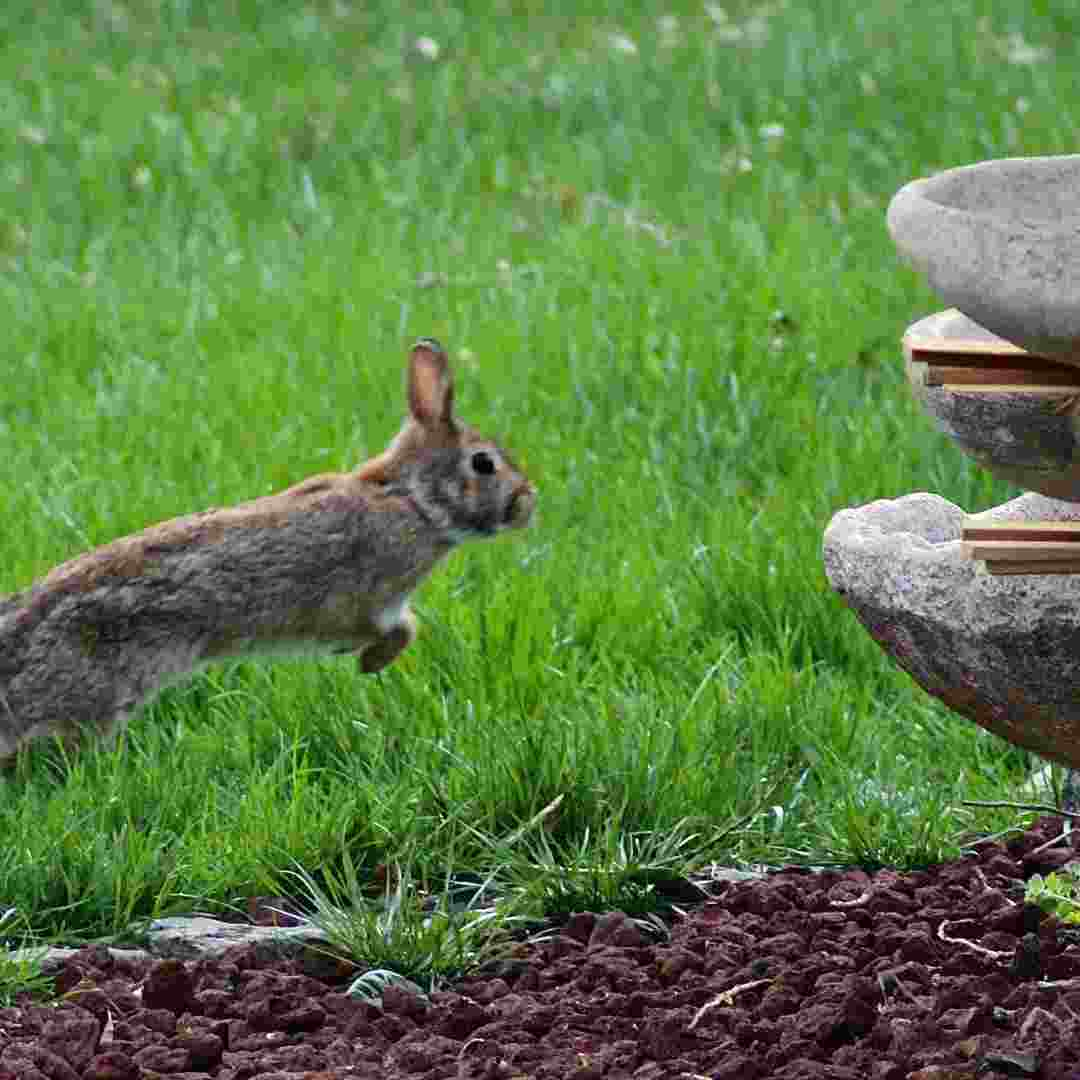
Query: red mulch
{"x": 940, "y": 974}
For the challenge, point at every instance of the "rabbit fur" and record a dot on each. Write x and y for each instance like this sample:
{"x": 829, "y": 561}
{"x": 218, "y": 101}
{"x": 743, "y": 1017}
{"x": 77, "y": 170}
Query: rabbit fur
{"x": 325, "y": 566}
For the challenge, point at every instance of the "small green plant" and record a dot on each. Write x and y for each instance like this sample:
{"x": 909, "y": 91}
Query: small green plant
{"x": 408, "y": 933}
{"x": 613, "y": 871}
{"x": 371, "y": 985}
{"x": 1057, "y": 893}
{"x": 20, "y": 960}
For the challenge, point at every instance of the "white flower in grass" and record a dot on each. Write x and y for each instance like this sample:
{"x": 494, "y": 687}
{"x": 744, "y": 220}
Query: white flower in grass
{"x": 428, "y": 48}
{"x": 623, "y": 43}
{"x": 734, "y": 162}
{"x": 1019, "y": 51}
{"x": 668, "y": 28}
{"x": 771, "y": 131}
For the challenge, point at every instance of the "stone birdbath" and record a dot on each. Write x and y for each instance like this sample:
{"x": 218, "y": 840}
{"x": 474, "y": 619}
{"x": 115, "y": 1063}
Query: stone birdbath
{"x": 983, "y": 610}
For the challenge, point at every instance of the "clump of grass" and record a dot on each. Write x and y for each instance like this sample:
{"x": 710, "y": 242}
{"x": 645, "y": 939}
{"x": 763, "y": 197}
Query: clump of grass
{"x": 617, "y": 870}
{"x": 409, "y": 932}
{"x": 21, "y": 973}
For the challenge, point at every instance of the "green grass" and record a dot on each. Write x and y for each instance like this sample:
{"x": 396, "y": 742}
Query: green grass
{"x": 663, "y": 273}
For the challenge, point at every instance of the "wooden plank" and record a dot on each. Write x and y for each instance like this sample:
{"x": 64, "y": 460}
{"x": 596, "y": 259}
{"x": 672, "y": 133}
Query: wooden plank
{"x": 974, "y": 347}
{"x": 938, "y": 375}
{"x": 1052, "y": 531}
{"x": 1008, "y": 569}
{"x": 947, "y": 358}
{"x": 1023, "y": 551}
{"x": 1007, "y": 388}
{"x": 987, "y": 354}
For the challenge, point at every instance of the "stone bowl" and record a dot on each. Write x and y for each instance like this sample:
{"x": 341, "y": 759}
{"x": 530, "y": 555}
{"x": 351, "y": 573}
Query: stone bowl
{"x": 1000, "y": 240}
{"x": 1027, "y": 438}
{"x": 1002, "y": 651}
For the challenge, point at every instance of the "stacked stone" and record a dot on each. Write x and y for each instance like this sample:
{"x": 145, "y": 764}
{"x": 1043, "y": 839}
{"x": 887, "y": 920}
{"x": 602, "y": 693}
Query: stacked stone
{"x": 1000, "y": 374}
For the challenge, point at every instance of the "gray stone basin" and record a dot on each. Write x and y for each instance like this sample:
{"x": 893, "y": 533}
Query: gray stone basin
{"x": 1002, "y": 651}
{"x": 1028, "y": 439}
{"x": 1000, "y": 240}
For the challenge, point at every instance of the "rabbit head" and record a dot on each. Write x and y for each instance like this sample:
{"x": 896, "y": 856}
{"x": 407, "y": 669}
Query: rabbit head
{"x": 463, "y": 483}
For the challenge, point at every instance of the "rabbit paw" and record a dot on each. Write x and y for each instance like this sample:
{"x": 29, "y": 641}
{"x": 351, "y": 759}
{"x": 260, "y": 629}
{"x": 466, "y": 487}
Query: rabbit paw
{"x": 387, "y": 648}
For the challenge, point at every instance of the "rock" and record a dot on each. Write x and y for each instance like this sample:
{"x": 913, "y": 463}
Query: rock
{"x": 1002, "y": 651}
{"x": 168, "y": 987}
{"x": 112, "y": 1066}
{"x": 998, "y": 241}
{"x": 197, "y": 936}
{"x": 1029, "y": 439}
{"x": 73, "y": 1037}
{"x": 192, "y": 937}
{"x": 616, "y": 928}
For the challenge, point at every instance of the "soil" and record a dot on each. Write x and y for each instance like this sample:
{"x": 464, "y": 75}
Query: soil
{"x": 942, "y": 974}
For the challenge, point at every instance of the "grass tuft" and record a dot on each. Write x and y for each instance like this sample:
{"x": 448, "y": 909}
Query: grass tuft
{"x": 407, "y": 933}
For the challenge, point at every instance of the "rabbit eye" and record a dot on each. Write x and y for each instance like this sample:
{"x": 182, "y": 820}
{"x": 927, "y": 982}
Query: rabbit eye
{"x": 483, "y": 463}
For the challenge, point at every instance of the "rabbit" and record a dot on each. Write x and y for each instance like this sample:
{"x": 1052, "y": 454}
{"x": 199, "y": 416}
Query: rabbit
{"x": 326, "y": 566}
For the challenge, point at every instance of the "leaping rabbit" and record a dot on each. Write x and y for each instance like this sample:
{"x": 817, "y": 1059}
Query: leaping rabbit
{"x": 326, "y": 566}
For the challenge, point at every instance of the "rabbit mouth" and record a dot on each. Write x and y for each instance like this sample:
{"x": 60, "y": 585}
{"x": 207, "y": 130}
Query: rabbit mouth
{"x": 519, "y": 509}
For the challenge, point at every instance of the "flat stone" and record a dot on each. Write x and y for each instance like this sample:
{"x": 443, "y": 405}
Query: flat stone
{"x": 188, "y": 937}
{"x": 1029, "y": 439}
{"x": 1002, "y": 651}
{"x": 1000, "y": 240}
{"x": 192, "y": 937}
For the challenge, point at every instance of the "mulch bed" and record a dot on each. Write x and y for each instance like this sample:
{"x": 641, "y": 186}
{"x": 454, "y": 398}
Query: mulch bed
{"x": 941, "y": 974}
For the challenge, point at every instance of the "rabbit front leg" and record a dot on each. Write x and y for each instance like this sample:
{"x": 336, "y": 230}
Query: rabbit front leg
{"x": 397, "y": 628}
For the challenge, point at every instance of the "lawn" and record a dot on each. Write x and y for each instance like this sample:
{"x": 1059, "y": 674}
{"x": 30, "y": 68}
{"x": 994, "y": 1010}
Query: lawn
{"x": 653, "y": 241}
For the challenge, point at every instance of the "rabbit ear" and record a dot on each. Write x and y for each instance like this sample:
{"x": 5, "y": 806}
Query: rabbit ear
{"x": 431, "y": 387}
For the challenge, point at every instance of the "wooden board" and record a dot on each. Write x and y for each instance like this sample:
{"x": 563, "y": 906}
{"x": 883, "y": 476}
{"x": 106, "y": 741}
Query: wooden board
{"x": 1059, "y": 531}
{"x": 1064, "y": 392}
{"x": 1021, "y": 551}
{"x": 971, "y": 365}
{"x": 1024, "y": 547}
{"x": 989, "y": 377}
{"x": 1009, "y": 569}
{"x": 930, "y": 350}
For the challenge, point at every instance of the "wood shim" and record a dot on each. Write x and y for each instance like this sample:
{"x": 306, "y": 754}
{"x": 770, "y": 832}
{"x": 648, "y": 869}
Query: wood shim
{"x": 934, "y": 350}
{"x": 990, "y": 378}
{"x": 1003, "y": 569}
{"x": 1065, "y": 393}
{"x": 1024, "y": 547}
{"x": 981, "y": 367}
{"x": 1022, "y": 551}
{"x": 1046, "y": 531}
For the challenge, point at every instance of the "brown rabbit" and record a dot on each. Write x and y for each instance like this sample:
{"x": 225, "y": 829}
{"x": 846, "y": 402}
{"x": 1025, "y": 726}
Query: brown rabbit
{"x": 325, "y": 566}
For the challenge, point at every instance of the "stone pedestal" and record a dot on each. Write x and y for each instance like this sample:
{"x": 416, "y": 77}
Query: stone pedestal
{"x": 1023, "y": 427}
{"x": 998, "y": 240}
{"x": 999, "y": 372}
{"x": 1002, "y": 651}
